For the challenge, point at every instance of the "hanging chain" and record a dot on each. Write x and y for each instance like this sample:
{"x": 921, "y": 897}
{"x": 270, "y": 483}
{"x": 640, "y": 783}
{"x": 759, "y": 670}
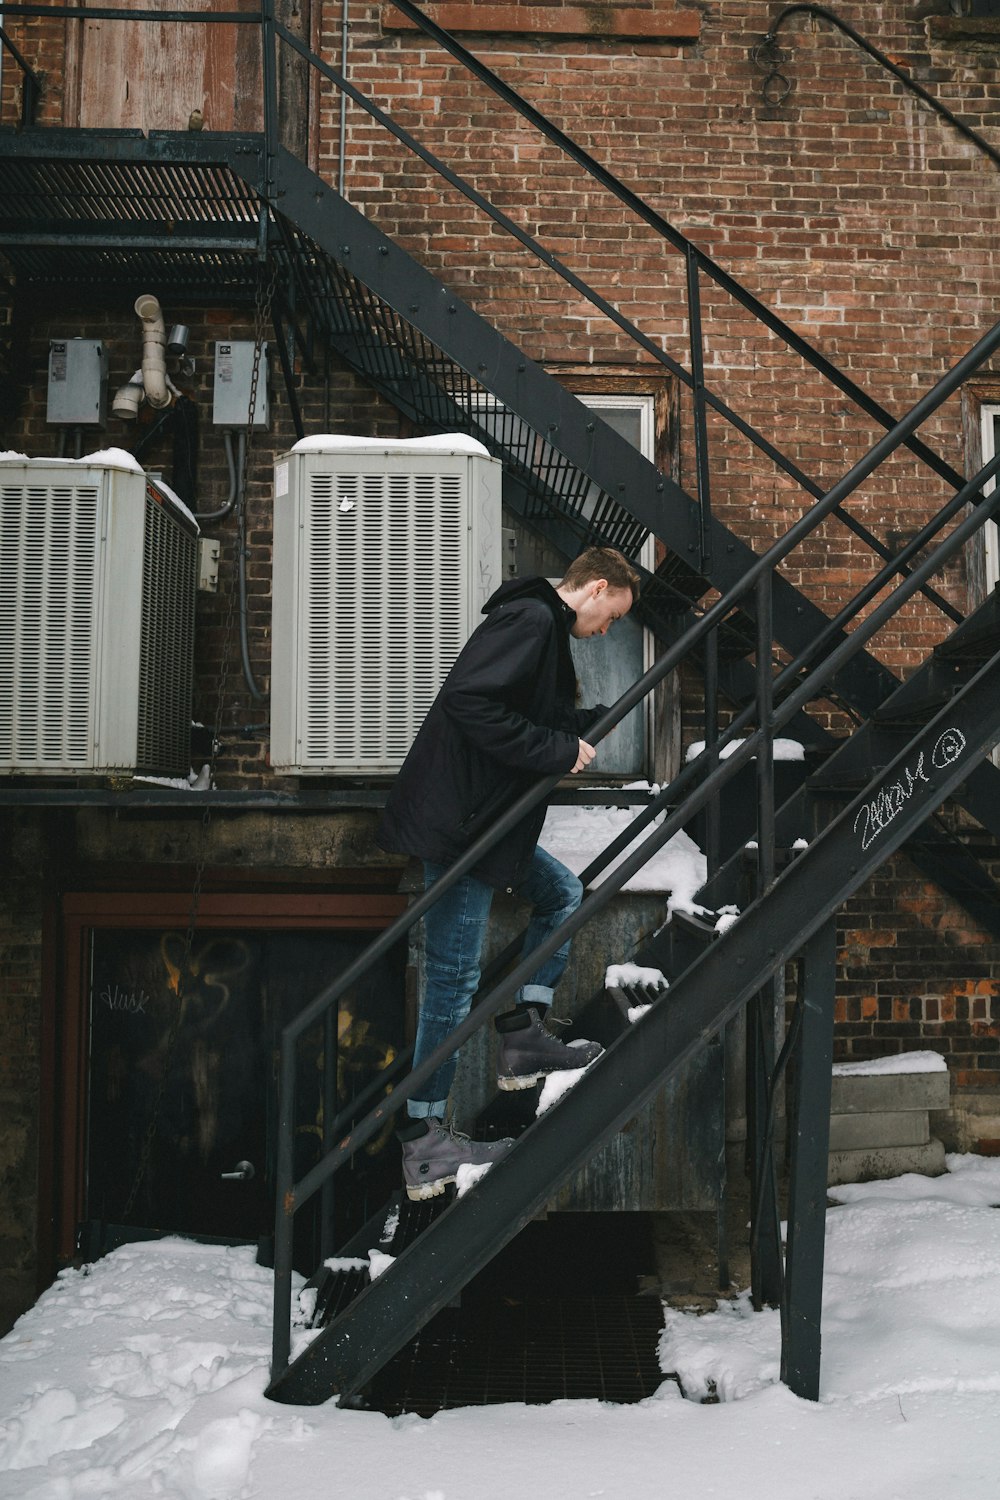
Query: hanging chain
{"x": 263, "y": 301}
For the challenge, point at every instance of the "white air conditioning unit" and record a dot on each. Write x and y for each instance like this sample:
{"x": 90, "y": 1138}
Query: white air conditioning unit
{"x": 384, "y": 554}
{"x": 98, "y": 572}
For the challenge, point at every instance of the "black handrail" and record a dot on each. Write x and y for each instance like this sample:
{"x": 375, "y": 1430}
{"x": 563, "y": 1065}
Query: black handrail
{"x": 31, "y": 89}
{"x": 823, "y": 13}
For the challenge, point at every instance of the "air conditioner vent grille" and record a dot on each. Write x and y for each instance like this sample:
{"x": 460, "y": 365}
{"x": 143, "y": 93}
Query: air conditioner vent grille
{"x": 49, "y": 544}
{"x": 97, "y": 587}
{"x": 386, "y": 566}
{"x": 167, "y": 643}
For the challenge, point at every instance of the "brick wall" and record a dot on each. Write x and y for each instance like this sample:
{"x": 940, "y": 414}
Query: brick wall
{"x": 915, "y": 973}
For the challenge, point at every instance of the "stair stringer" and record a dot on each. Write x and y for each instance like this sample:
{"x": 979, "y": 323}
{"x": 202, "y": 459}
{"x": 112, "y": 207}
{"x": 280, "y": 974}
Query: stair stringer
{"x": 344, "y": 1356}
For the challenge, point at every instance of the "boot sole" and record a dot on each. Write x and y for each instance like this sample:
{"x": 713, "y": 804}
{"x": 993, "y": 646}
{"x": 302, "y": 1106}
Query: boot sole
{"x": 428, "y": 1189}
{"x": 528, "y": 1080}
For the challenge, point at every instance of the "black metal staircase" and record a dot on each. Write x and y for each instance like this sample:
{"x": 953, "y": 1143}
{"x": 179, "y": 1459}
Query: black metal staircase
{"x": 782, "y": 923}
{"x": 212, "y": 216}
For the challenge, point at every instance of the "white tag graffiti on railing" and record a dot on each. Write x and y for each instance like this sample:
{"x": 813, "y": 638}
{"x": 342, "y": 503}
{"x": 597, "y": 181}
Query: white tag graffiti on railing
{"x": 877, "y": 814}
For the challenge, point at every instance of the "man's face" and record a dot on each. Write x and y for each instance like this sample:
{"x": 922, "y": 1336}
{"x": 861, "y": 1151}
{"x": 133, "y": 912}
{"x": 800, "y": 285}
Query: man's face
{"x": 600, "y": 609}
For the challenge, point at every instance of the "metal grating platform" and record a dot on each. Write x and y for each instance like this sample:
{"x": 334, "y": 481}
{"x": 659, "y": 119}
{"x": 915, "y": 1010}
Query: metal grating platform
{"x": 536, "y": 1351}
{"x": 556, "y": 1316}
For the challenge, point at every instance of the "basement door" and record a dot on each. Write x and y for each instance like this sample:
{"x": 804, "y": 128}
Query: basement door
{"x": 182, "y": 1095}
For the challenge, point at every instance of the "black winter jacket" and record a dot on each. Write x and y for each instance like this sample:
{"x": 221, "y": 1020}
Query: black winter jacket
{"x": 505, "y": 715}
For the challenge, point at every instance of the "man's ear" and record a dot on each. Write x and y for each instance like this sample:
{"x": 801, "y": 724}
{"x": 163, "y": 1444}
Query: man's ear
{"x": 596, "y": 586}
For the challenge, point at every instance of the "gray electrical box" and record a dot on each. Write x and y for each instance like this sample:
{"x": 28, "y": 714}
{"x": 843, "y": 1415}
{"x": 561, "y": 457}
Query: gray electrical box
{"x": 234, "y": 363}
{"x": 78, "y": 383}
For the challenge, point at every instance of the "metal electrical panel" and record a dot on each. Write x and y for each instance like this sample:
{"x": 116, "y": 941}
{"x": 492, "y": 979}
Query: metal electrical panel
{"x": 234, "y": 364}
{"x": 78, "y": 383}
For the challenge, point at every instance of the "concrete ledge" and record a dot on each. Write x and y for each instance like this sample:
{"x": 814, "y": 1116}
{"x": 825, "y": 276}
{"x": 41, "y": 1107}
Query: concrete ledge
{"x": 873, "y": 1131}
{"x": 964, "y": 29}
{"x": 620, "y": 23}
{"x": 871, "y": 1163}
{"x": 863, "y": 1093}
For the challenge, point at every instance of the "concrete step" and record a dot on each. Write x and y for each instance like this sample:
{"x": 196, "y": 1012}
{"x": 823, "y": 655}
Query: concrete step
{"x": 909, "y": 1127}
{"x": 864, "y": 1093}
{"x": 870, "y": 1163}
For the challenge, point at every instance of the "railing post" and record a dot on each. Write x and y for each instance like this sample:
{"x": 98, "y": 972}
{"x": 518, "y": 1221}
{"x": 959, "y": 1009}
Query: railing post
{"x": 765, "y": 1222}
{"x": 269, "y": 86}
{"x": 331, "y": 1069}
{"x": 699, "y": 408}
{"x": 809, "y": 1123}
{"x": 713, "y": 809}
{"x": 765, "y": 723}
{"x": 284, "y": 1215}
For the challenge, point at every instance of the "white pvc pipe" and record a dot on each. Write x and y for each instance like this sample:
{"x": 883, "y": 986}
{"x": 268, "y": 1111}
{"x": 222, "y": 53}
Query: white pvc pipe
{"x": 129, "y": 398}
{"x": 154, "y": 338}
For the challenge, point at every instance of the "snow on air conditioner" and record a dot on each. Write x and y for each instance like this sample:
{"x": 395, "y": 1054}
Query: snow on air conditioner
{"x": 384, "y": 554}
{"x": 98, "y": 572}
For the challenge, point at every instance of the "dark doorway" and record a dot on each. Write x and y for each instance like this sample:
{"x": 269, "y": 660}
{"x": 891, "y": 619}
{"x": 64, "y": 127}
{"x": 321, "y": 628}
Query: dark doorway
{"x": 182, "y": 1091}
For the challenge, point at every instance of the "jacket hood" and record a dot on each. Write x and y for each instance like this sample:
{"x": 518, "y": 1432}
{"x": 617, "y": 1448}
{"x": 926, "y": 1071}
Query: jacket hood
{"x": 530, "y": 588}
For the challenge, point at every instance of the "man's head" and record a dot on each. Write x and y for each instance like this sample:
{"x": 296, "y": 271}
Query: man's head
{"x": 601, "y": 587}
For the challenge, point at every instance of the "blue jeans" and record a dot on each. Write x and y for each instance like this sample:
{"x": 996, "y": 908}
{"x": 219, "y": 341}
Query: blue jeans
{"x": 454, "y": 932}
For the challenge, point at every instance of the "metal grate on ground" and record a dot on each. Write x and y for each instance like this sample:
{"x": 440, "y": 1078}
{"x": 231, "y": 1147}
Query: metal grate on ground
{"x": 536, "y": 1351}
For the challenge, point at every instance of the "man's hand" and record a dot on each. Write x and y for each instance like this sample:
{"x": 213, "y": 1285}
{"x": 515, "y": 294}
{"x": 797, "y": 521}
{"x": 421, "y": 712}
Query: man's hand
{"x": 586, "y": 755}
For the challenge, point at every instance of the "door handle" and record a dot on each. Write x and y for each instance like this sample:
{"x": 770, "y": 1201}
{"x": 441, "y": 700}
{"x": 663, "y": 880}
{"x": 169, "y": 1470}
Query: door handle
{"x": 244, "y": 1172}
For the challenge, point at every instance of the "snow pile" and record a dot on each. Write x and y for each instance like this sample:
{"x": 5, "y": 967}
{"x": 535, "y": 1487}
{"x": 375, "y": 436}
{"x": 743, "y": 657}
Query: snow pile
{"x": 617, "y": 976}
{"x": 140, "y": 1374}
{"x": 555, "y": 1086}
{"x": 104, "y": 458}
{"x": 143, "y": 1376}
{"x": 194, "y": 781}
{"x": 911, "y": 1301}
{"x": 468, "y": 1175}
{"x": 576, "y": 835}
{"x": 341, "y": 442}
{"x": 782, "y": 749}
{"x": 898, "y": 1062}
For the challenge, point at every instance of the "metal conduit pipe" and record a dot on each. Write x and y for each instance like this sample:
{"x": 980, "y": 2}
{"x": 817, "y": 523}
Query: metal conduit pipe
{"x": 224, "y": 510}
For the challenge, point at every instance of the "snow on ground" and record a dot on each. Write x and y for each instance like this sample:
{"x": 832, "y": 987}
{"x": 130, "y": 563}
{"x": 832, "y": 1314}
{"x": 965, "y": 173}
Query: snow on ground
{"x": 142, "y": 1376}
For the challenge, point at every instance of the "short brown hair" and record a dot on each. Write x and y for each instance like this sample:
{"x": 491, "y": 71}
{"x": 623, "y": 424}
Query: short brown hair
{"x": 602, "y": 562}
